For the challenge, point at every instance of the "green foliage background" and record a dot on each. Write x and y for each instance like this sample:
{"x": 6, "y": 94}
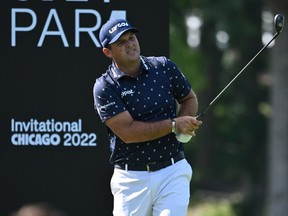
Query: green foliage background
{"x": 228, "y": 153}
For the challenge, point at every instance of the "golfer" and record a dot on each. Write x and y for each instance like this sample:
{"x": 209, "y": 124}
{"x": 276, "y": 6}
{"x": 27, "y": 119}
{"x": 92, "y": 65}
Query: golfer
{"x": 145, "y": 102}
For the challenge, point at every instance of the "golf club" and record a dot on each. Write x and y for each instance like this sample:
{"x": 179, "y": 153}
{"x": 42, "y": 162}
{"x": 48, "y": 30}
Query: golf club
{"x": 279, "y": 24}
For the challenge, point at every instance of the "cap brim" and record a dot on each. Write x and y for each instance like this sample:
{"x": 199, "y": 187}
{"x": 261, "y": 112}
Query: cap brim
{"x": 122, "y": 32}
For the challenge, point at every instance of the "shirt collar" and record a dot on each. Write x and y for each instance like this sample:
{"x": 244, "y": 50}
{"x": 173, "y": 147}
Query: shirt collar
{"x": 117, "y": 74}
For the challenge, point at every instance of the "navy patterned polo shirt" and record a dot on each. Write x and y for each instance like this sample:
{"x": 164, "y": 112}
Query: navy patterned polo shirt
{"x": 149, "y": 97}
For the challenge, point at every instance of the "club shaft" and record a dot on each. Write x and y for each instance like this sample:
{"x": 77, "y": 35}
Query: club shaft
{"x": 200, "y": 116}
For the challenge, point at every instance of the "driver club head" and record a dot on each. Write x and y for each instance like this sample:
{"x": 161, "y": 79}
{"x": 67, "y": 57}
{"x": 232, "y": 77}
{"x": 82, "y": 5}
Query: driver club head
{"x": 279, "y": 22}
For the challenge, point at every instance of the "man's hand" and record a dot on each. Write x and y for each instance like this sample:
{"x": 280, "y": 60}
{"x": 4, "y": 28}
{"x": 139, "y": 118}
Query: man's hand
{"x": 187, "y": 125}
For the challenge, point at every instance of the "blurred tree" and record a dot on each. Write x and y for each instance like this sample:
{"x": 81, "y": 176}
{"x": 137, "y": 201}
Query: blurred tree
{"x": 277, "y": 190}
{"x": 229, "y": 152}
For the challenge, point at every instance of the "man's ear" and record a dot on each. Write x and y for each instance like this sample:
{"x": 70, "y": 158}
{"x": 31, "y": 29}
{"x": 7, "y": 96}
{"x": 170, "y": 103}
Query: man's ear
{"x": 107, "y": 52}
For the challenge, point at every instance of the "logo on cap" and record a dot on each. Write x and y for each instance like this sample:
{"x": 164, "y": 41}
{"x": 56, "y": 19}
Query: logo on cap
{"x": 118, "y": 25}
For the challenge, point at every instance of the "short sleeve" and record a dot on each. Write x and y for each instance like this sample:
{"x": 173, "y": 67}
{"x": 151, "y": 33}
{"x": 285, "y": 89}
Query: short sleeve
{"x": 107, "y": 100}
{"x": 181, "y": 86}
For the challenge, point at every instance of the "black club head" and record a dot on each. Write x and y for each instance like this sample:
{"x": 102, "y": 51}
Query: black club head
{"x": 279, "y": 22}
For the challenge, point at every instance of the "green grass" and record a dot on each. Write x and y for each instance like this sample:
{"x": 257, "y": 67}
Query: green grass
{"x": 212, "y": 208}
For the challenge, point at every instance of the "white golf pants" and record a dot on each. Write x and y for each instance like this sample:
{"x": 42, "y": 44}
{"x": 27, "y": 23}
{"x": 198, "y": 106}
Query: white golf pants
{"x": 165, "y": 192}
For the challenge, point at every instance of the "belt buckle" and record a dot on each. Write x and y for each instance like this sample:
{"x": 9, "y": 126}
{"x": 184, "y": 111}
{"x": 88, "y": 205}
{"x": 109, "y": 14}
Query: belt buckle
{"x": 148, "y": 166}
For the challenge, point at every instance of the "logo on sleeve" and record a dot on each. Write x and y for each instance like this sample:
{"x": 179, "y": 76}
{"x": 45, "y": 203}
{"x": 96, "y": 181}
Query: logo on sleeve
{"x": 104, "y": 107}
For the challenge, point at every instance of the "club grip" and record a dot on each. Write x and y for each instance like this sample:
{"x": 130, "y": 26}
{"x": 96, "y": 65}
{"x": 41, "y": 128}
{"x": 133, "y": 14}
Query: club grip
{"x": 200, "y": 116}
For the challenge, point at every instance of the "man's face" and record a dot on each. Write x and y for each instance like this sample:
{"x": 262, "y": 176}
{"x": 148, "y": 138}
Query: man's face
{"x": 126, "y": 49}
